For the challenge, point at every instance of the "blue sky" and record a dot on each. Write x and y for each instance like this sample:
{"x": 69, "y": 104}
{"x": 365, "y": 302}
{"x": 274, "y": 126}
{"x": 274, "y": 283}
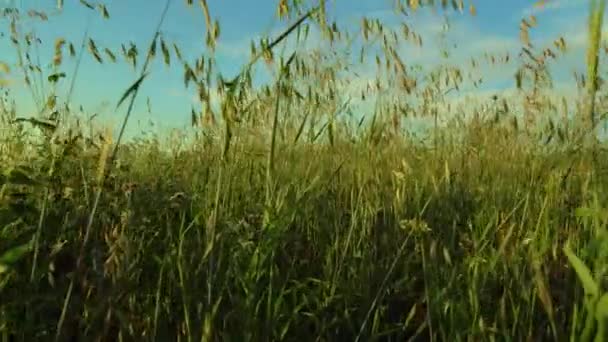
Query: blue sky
{"x": 98, "y": 87}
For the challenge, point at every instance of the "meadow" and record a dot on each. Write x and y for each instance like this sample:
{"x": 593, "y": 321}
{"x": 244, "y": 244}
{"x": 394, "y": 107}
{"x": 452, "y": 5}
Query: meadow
{"x": 279, "y": 217}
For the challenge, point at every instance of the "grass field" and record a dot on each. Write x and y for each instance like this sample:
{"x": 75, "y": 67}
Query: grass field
{"x": 278, "y": 221}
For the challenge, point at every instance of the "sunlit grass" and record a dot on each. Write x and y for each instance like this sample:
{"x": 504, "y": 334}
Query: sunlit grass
{"x": 283, "y": 219}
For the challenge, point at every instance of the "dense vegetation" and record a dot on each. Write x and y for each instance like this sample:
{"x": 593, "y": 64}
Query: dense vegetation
{"x": 279, "y": 218}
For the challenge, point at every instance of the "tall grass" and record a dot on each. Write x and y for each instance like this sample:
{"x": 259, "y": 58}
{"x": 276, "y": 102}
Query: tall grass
{"x": 283, "y": 219}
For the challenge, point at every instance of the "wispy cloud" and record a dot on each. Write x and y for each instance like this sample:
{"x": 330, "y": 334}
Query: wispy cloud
{"x": 550, "y": 6}
{"x": 465, "y": 42}
{"x": 241, "y": 48}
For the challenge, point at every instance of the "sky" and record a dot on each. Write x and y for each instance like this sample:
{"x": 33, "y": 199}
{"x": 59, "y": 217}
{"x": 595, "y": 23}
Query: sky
{"x": 98, "y": 87}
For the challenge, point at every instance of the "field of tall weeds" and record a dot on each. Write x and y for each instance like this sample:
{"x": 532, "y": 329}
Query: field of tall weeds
{"x": 280, "y": 217}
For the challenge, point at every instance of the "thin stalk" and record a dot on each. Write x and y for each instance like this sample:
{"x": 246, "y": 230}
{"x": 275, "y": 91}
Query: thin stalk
{"x": 118, "y": 140}
{"x": 41, "y": 222}
{"x": 271, "y": 154}
{"x": 182, "y": 278}
{"x": 426, "y": 291}
{"x": 79, "y": 58}
{"x": 79, "y": 263}
{"x": 64, "y": 310}
{"x": 23, "y": 66}
{"x": 157, "y": 300}
{"x": 382, "y": 288}
{"x": 596, "y": 16}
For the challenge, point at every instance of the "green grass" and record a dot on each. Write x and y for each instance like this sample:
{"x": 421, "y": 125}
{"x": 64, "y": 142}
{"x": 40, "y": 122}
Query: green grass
{"x": 481, "y": 234}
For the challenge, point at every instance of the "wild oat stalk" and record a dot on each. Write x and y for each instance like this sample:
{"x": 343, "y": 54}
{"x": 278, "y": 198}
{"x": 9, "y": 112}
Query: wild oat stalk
{"x": 596, "y": 15}
{"x": 132, "y": 91}
{"x": 275, "y": 123}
